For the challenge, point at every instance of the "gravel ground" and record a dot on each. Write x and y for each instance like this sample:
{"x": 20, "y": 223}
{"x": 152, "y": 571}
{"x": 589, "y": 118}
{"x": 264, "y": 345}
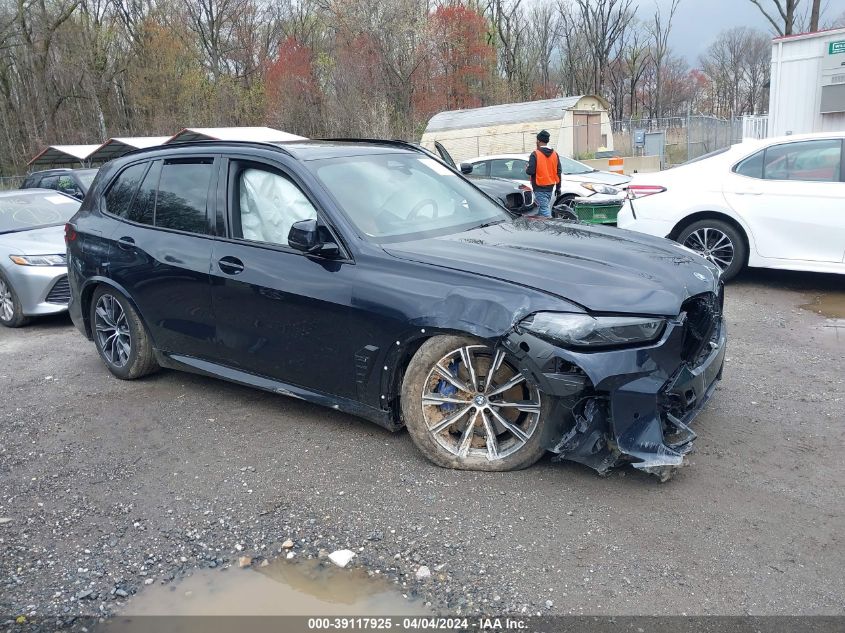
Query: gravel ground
{"x": 106, "y": 486}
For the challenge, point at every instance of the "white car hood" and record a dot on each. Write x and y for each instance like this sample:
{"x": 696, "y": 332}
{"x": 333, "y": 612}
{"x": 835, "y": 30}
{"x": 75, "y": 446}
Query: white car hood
{"x": 45, "y": 241}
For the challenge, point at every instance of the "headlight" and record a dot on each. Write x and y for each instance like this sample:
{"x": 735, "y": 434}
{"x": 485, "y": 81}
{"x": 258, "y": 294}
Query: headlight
{"x": 38, "y": 260}
{"x": 600, "y": 188}
{"x": 582, "y": 330}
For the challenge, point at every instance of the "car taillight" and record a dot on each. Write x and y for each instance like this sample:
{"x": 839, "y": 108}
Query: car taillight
{"x": 641, "y": 191}
{"x": 525, "y": 188}
{"x": 70, "y": 233}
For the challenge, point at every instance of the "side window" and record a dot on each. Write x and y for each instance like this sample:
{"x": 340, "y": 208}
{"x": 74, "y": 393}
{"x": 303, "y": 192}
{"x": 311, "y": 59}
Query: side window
{"x": 67, "y": 185}
{"x": 501, "y": 168}
{"x": 122, "y": 190}
{"x": 49, "y": 182}
{"x": 481, "y": 169}
{"x": 751, "y": 166}
{"x": 813, "y": 161}
{"x": 142, "y": 208}
{"x": 182, "y": 199}
{"x": 512, "y": 169}
{"x": 267, "y": 205}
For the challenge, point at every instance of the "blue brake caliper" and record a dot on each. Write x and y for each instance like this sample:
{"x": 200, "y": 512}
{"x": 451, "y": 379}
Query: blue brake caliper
{"x": 447, "y": 389}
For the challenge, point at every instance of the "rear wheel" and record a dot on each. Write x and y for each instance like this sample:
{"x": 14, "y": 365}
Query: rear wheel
{"x": 11, "y": 311}
{"x": 467, "y": 406}
{"x": 718, "y": 242}
{"x": 120, "y": 336}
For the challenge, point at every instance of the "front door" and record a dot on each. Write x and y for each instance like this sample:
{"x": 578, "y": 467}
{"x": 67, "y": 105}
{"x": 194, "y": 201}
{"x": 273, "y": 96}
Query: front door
{"x": 280, "y": 313}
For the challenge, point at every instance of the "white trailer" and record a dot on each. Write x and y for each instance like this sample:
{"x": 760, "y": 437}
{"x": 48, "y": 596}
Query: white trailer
{"x": 807, "y": 90}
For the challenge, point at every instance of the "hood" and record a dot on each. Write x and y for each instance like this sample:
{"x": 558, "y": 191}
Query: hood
{"x": 601, "y": 269}
{"x": 46, "y": 241}
{"x": 603, "y": 177}
{"x": 497, "y": 185}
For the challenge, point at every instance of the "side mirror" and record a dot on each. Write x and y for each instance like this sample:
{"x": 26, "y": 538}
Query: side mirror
{"x": 305, "y": 236}
{"x": 466, "y": 168}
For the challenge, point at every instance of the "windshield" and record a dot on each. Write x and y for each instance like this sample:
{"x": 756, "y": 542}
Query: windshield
{"x": 86, "y": 176}
{"x": 569, "y": 166}
{"x": 24, "y": 211}
{"x": 396, "y": 197}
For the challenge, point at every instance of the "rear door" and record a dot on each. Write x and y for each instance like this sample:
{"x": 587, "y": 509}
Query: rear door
{"x": 160, "y": 251}
{"x": 792, "y": 196}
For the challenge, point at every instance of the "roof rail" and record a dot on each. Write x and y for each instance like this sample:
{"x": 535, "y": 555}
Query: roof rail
{"x": 205, "y": 142}
{"x": 381, "y": 141}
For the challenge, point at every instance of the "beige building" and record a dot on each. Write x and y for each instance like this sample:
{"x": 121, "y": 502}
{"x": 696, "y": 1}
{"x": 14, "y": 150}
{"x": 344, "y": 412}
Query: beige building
{"x": 579, "y": 126}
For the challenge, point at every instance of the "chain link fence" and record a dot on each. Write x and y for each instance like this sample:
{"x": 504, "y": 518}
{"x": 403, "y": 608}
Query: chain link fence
{"x": 10, "y": 182}
{"x": 685, "y": 138}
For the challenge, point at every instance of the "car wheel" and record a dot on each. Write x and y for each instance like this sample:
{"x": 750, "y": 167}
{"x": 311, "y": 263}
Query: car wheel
{"x": 467, "y": 406}
{"x": 120, "y": 336}
{"x": 563, "y": 208}
{"x": 718, "y": 242}
{"x": 11, "y": 311}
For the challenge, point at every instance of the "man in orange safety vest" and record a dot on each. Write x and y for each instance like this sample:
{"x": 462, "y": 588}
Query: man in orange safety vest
{"x": 544, "y": 169}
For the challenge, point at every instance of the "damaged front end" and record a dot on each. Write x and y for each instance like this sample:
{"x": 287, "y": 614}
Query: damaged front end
{"x": 629, "y": 405}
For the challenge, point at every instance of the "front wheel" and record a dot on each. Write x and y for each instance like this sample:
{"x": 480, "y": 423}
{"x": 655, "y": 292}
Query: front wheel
{"x": 718, "y": 242}
{"x": 11, "y": 311}
{"x": 467, "y": 406}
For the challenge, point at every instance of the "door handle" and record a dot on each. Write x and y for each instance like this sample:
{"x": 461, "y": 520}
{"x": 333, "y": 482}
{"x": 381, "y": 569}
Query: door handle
{"x": 126, "y": 243}
{"x": 750, "y": 193}
{"x": 230, "y": 265}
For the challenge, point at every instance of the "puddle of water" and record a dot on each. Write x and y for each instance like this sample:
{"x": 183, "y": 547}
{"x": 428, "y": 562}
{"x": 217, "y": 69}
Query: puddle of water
{"x": 305, "y": 588}
{"x": 830, "y": 305}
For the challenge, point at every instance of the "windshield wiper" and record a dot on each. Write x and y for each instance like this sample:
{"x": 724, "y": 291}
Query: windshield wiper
{"x": 491, "y": 223}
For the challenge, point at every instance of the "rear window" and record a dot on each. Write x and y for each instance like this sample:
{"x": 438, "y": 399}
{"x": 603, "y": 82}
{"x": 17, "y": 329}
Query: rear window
{"x": 751, "y": 166}
{"x": 24, "y": 211}
{"x": 122, "y": 191}
{"x": 183, "y": 195}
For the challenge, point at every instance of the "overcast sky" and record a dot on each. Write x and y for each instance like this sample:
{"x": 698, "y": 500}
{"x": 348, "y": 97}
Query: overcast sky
{"x": 698, "y": 22}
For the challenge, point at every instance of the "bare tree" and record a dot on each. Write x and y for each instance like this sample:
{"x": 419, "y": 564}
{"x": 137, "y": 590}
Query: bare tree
{"x": 815, "y": 10}
{"x": 783, "y": 21}
{"x": 661, "y": 27}
{"x": 604, "y": 22}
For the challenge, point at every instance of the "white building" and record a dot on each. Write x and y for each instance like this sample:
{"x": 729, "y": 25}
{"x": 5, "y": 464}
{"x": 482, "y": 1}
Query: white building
{"x": 807, "y": 92}
{"x": 579, "y": 126}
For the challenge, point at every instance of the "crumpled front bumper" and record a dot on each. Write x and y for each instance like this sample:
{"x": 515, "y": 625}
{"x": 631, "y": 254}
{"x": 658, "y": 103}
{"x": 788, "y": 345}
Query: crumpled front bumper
{"x": 613, "y": 407}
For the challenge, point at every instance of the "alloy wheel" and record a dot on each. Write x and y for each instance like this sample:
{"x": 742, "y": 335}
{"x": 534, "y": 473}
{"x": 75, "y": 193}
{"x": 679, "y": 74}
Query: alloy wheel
{"x": 476, "y": 404}
{"x": 7, "y": 305}
{"x": 713, "y": 245}
{"x": 112, "y": 330}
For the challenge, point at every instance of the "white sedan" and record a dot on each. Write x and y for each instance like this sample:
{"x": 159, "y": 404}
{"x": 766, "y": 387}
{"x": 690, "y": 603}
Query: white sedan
{"x": 577, "y": 179}
{"x": 775, "y": 203}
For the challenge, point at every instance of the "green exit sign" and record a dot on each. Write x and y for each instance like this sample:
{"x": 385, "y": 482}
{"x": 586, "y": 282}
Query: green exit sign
{"x": 836, "y": 47}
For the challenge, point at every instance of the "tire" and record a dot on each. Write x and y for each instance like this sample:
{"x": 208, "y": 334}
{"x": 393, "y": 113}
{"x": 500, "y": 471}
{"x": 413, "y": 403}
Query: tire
{"x": 722, "y": 235}
{"x": 11, "y": 310}
{"x": 125, "y": 349}
{"x": 451, "y": 446}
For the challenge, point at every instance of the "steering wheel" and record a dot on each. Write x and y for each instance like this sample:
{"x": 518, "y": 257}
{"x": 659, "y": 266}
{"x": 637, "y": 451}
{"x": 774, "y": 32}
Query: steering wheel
{"x": 421, "y": 205}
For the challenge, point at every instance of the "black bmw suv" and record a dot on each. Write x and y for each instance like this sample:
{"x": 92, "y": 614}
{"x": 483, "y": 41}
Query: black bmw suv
{"x": 371, "y": 278}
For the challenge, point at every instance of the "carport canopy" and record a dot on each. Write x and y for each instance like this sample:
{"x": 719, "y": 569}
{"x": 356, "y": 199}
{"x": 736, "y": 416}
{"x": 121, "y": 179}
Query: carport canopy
{"x": 258, "y": 134}
{"x": 63, "y": 155}
{"x": 118, "y": 146}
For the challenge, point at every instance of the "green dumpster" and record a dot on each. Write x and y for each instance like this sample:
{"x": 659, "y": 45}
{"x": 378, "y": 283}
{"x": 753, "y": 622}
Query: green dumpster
{"x": 596, "y": 211}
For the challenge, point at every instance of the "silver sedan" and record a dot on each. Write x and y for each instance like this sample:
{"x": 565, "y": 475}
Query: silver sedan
{"x": 33, "y": 273}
